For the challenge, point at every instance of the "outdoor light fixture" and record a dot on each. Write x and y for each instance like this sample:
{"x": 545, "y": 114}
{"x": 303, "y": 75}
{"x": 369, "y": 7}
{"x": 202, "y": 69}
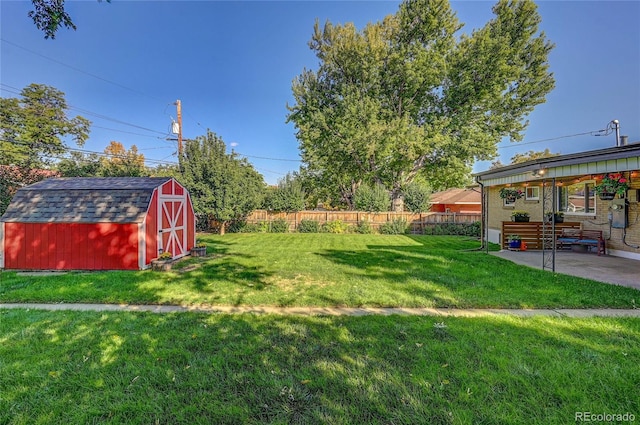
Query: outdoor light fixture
{"x": 539, "y": 172}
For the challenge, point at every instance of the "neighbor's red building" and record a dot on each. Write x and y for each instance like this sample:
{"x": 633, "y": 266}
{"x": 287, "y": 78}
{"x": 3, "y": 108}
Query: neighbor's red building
{"x": 91, "y": 223}
{"x": 457, "y": 201}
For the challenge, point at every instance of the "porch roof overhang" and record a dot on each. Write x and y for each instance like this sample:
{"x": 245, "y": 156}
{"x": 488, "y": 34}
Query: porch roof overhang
{"x": 610, "y": 160}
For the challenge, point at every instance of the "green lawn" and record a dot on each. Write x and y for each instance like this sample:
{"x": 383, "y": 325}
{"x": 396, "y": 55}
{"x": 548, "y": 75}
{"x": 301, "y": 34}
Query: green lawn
{"x": 144, "y": 368}
{"x": 330, "y": 270}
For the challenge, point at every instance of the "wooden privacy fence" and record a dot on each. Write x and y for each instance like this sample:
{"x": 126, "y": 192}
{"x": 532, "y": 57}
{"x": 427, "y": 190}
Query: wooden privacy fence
{"x": 417, "y": 221}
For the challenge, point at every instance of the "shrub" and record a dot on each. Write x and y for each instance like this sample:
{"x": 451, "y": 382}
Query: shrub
{"x": 308, "y": 226}
{"x": 372, "y": 198}
{"x": 202, "y": 223}
{"x": 279, "y": 225}
{"x": 416, "y": 197}
{"x": 398, "y": 226}
{"x": 260, "y": 227}
{"x": 364, "y": 227}
{"x": 335, "y": 226}
{"x": 237, "y": 226}
{"x": 288, "y": 196}
{"x": 456, "y": 229}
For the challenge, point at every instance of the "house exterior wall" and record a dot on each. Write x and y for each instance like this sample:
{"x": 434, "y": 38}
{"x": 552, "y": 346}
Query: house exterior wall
{"x": 497, "y": 213}
{"x": 456, "y": 208}
{"x": 71, "y": 246}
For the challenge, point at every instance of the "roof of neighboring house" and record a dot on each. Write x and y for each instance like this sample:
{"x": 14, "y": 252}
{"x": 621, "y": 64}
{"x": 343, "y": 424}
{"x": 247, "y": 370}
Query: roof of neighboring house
{"x": 84, "y": 200}
{"x": 456, "y": 196}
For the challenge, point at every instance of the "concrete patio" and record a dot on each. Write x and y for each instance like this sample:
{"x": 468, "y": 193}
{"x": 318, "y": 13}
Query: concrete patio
{"x": 605, "y": 268}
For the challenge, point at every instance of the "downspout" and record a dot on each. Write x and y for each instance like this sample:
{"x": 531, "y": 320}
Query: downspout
{"x": 483, "y": 224}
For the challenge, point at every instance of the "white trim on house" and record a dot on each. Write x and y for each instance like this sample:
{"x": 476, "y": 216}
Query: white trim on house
{"x": 623, "y": 254}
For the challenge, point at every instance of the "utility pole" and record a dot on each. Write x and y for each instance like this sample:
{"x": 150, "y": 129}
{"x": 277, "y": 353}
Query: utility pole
{"x": 179, "y": 111}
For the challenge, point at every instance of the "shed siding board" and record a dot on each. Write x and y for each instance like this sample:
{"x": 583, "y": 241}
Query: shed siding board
{"x": 1, "y": 245}
{"x": 191, "y": 224}
{"x": 111, "y": 246}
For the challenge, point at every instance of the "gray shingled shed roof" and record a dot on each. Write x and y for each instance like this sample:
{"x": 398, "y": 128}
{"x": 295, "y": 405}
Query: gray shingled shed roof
{"x": 84, "y": 200}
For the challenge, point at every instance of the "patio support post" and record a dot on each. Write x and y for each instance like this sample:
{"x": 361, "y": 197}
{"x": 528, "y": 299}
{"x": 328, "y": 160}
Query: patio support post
{"x": 549, "y": 206}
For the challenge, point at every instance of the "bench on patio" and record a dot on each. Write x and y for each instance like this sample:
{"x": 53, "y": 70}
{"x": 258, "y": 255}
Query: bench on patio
{"x": 580, "y": 237}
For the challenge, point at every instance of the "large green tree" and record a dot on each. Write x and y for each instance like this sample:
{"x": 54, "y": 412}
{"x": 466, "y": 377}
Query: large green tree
{"x": 531, "y": 155}
{"x": 408, "y": 96}
{"x": 77, "y": 164}
{"x": 49, "y": 15}
{"x": 287, "y": 196}
{"x": 33, "y": 128}
{"x": 223, "y": 186}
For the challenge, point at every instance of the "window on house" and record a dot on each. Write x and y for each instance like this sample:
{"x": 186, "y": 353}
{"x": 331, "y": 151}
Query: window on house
{"x": 577, "y": 198}
{"x": 532, "y": 193}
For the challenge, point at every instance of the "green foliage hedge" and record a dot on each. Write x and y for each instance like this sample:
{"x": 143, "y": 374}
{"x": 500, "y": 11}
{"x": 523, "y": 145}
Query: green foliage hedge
{"x": 335, "y": 226}
{"x": 395, "y": 227}
{"x": 309, "y": 226}
{"x": 459, "y": 229}
{"x": 279, "y": 225}
{"x": 364, "y": 227}
{"x": 398, "y": 226}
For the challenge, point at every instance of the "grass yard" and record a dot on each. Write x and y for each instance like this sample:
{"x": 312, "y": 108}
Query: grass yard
{"x": 144, "y": 368}
{"x": 329, "y": 270}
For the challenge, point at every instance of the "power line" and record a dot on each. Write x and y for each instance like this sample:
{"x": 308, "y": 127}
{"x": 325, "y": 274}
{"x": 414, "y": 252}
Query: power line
{"x": 86, "y": 151}
{"x": 15, "y": 90}
{"x": 79, "y": 70}
{"x": 129, "y": 132}
{"x": 270, "y": 159}
{"x": 269, "y": 171}
{"x": 108, "y": 118}
{"x": 515, "y": 145}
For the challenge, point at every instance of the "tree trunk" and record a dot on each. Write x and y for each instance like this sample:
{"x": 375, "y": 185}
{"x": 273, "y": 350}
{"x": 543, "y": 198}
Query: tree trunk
{"x": 223, "y": 224}
{"x": 397, "y": 200}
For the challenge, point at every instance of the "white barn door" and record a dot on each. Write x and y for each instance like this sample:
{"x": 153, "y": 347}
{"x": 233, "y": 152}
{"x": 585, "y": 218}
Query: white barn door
{"x": 172, "y": 214}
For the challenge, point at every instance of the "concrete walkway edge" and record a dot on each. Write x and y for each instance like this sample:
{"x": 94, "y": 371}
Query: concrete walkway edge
{"x": 331, "y": 311}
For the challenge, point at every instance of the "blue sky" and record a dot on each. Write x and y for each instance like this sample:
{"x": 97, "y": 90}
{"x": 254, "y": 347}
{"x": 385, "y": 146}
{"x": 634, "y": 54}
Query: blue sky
{"x": 232, "y": 63}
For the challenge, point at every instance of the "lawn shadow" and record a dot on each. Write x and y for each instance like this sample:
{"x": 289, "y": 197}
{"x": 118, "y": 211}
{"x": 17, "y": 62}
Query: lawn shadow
{"x": 184, "y": 283}
{"x": 197, "y": 368}
{"x": 437, "y": 272}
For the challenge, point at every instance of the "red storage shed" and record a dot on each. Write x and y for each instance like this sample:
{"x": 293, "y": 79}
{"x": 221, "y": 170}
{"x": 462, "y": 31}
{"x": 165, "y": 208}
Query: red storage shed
{"x": 111, "y": 223}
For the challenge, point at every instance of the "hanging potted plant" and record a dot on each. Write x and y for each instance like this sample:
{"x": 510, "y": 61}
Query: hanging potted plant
{"x": 514, "y": 241}
{"x": 520, "y": 216}
{"x": 612, "y": 185}
{"x": 511, "y": 194}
